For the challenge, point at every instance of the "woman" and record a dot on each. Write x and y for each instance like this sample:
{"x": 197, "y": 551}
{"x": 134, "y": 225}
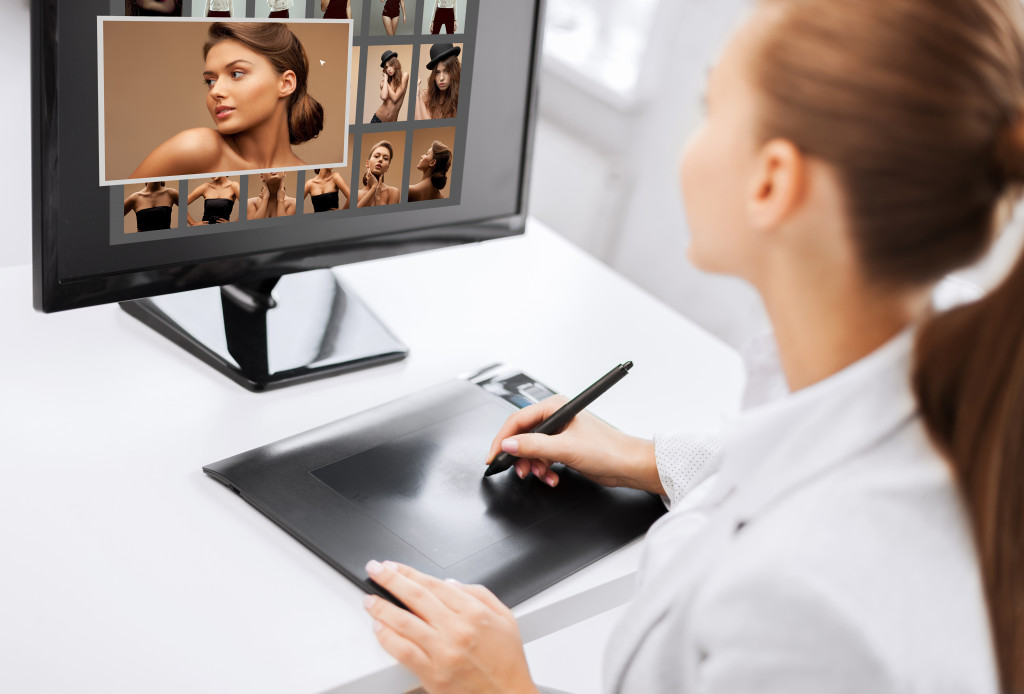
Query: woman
{"x": 323, "y": 190}
{"x": 273, "y": 199}
{"x": 279, "y": 8}
{"x": 390, "y": 15}
{"x": 444, "y": 17}
{"x": 219, "y": 195}
{"x": 336, "y": 9}
{"x": 441, "y": 97}
{"x": 862, "y": 532}
{"x": 393, "y": 86}
{"x": 255, "y": 76}
{"x": 152, "y": 206}
{"x": 152, "y": 8}
{"x": 434, "y": 165}
{"x": 374, "y": 191}
{"x": 218, "y": 8}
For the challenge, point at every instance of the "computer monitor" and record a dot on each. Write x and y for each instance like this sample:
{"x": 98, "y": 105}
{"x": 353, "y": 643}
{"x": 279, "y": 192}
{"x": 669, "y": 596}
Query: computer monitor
{"x": 204, "y": 162}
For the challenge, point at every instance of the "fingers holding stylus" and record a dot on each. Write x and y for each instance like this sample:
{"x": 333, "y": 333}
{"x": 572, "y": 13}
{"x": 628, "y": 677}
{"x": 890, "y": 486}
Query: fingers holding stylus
{"x": 516, "y": 427}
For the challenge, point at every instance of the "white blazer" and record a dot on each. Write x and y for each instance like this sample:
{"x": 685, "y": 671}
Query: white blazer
{"x": 830, "y": 553}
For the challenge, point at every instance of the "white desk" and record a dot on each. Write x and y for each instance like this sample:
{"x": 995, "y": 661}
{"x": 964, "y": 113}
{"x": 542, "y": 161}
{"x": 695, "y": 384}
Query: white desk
{"x": 127, "y": 570}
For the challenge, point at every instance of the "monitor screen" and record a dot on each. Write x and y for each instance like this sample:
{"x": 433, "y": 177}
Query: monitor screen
{"x": 188, "y": 143}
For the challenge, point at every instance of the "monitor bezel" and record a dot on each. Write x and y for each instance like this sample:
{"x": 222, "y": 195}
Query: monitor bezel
{"x": 51, "y": 293}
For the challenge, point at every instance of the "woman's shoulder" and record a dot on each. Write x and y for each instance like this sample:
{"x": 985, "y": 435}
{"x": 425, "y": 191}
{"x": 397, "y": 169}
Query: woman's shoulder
{"x": 196, "y": 150}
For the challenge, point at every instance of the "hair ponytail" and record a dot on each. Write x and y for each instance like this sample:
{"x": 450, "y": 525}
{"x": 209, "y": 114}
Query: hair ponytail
{"x": 442, "y": 162}
{"x": 916, "y": 105}
{"x": 305, "y": 118}
{"x": 969, "y": 382}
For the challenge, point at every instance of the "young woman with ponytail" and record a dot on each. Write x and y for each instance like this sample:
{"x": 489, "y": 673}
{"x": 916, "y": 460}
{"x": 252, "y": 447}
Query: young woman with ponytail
{"x": 859, "y": 526}
{"x": 255, "y": 76}
{"x": 434, "y": 166}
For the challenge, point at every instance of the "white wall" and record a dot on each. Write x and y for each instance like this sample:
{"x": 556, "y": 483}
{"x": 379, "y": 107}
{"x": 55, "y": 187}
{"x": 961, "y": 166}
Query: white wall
{"x": 15, "y": 124}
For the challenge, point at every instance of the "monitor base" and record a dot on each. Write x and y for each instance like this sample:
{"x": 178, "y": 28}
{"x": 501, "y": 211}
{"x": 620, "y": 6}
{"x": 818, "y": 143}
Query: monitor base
{"x": 310, "y": 327}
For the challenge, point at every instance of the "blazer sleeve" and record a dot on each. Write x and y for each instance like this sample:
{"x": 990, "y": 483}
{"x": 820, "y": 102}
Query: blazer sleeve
{"x": 779, "y": 633}
{"x": 686, "y": 460}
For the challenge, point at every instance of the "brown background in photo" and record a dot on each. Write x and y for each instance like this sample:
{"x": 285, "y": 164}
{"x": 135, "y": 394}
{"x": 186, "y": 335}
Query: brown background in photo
{"x": 371, "y": 89}
{"x": 346, "y": 173}
{"x": 394, "y": 175}
{"x": 131, "y": 225}
{"x": 421, "y": 142}
{"x": 355, "y": 88}
{"x": 197, "y": 206}
{"x": 424, "y": 73}
{"x": 291, "y": 179}
{"x": 153, "y": 87}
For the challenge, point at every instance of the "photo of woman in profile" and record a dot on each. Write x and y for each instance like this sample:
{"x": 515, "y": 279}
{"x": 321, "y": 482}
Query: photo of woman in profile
{"x": 219, "y": 195}
{"x": 218, "y": 8}
{"x": 152, "y": 206}
{"x": 324, "y": 191}
{"x": 374, "y": 191}
{"x": 336, "y": 9}
{"x": 279, "y": 8}
{"x": 152, "y": 8}
{"x": 444, "y": 17}
{"x": 256, "y": 75}
{"x": 434, "y": 166}
{"x": 390, "y": 15}
{"x": 394, "y": 84}
{"x": 441, "y": 97}
{"x": 273, "y": 199}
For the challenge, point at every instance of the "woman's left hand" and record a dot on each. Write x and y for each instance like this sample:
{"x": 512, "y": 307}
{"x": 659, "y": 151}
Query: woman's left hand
{"x": 455, "y": 638}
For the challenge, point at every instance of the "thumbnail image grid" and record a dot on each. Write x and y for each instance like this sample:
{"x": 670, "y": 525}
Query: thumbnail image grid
{"x": 406, "y": 129}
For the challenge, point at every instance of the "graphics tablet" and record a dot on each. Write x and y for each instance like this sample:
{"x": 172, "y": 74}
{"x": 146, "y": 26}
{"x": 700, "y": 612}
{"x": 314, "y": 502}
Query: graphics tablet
{"x": 404, "y": 482}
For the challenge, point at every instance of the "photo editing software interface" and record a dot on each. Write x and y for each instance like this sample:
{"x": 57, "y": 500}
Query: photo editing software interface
{"x": 218, "y": 116}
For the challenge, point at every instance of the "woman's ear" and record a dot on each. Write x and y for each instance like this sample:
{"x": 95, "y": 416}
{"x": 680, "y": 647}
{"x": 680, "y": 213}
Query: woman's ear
{"x": 287, "y": 84}
{"x": 777, "y": 186}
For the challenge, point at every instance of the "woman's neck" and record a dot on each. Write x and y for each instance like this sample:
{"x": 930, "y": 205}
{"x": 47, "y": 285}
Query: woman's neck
{"x": 265, "y": 144}
{"x": 824, "y": 324}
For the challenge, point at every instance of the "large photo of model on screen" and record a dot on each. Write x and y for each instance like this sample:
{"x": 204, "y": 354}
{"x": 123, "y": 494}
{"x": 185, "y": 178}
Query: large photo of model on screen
{"x": 231, "y": 97}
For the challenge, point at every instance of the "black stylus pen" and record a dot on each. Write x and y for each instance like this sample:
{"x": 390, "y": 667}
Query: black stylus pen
{"x": 563, "y": 415}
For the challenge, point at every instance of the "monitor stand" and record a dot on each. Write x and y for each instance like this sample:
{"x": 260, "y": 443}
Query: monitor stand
{"x": 310, "y": 327}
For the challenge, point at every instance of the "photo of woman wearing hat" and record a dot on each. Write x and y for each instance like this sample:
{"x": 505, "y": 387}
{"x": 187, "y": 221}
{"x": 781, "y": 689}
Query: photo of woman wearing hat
{"x": 153, "y": 207}
{"x": 256, "y": 76}
{"x": 219, "y": 195}
{"x": 440, "y": 97}
{"x": 152, "y": 8}
{"x": 394, "y": 84}
{"x": 374, "y": 192}
{"x": 336, "y": 9}
{"x": 390, "y": 15}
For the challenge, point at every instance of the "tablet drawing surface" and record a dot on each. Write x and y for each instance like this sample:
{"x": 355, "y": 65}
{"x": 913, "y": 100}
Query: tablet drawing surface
{"x": 427, "y": 487}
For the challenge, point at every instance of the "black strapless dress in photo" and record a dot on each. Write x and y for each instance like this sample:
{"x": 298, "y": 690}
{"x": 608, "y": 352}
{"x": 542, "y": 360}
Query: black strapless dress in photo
{"x": 217, "y": 210}
{"x": 325, "y": 202}
{"x": 153, "y": 218}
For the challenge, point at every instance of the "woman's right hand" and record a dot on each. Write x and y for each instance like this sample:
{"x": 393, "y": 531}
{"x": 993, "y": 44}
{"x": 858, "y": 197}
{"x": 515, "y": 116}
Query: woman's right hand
{"x": 588, "y": 445}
